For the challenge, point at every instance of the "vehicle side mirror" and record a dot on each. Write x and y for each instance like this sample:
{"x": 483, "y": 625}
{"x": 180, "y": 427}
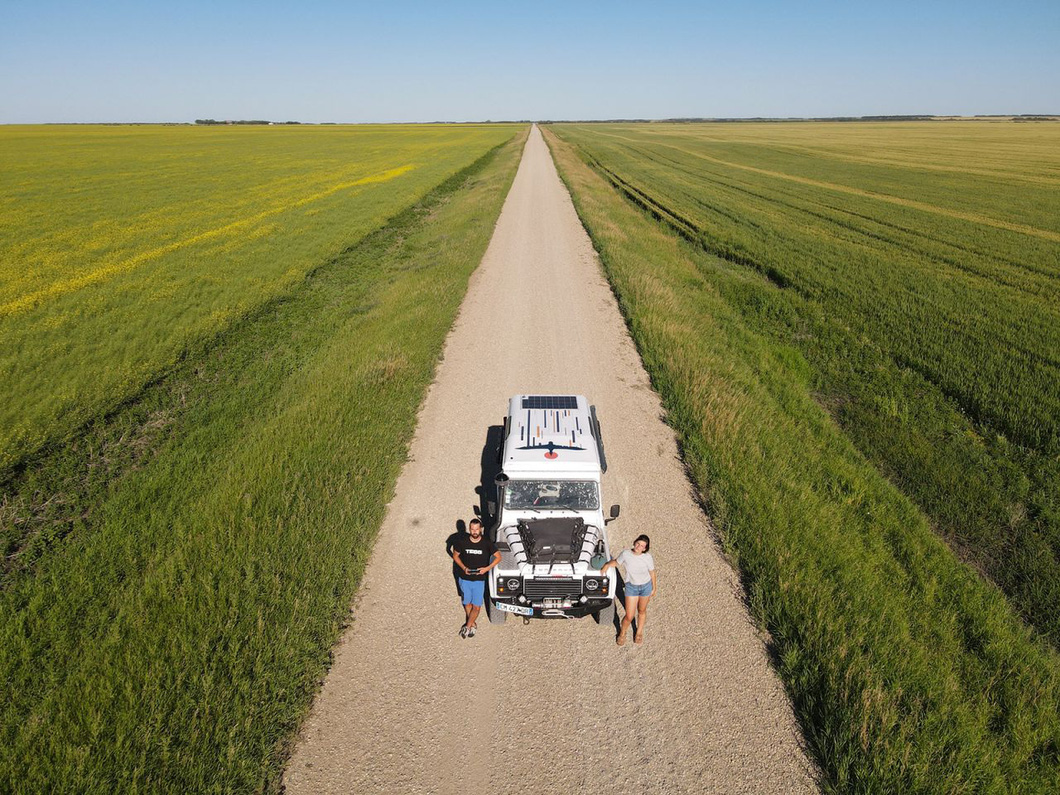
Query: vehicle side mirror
{"x": 500, "y": 481}
{"x": 614, "y": 513}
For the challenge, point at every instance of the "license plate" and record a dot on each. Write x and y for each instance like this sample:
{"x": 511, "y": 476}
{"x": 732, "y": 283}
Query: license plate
{"x": 519, "y": 610}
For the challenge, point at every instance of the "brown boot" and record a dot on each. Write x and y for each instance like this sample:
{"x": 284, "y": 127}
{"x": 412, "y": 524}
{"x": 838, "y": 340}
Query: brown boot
{"x": 638, "y": 637}
{"x": 621, "y": 639}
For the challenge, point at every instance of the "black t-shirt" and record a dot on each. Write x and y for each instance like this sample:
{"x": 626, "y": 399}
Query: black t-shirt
{"x": 474, "y": 555}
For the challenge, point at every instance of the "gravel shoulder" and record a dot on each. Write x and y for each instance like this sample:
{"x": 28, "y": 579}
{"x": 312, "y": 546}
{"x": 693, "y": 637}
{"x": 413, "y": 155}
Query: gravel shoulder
{"x": 553, "y": 705}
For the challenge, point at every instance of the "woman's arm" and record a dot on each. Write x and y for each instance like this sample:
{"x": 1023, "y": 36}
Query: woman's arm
{"x": 609, "y": 564}
{"x": 653, "y": 583}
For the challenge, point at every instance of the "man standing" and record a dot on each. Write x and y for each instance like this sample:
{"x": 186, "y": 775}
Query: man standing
{"x": 474, "y": 555}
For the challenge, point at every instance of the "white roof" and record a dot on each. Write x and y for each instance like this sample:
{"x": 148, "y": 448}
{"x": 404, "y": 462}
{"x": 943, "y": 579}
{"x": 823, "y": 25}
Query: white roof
{"x": 550, "y": 436}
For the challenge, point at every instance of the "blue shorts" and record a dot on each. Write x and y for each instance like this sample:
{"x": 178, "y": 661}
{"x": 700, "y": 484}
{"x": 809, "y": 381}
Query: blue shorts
{"x": 638, "y": 590}
{"x": 472, "y": 591}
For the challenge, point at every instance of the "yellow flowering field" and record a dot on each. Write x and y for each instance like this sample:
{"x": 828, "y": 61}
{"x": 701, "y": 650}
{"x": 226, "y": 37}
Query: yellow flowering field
{"x": 121, "y": 247}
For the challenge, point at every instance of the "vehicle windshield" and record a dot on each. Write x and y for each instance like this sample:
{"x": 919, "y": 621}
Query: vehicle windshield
{"x": 552, "y": 495}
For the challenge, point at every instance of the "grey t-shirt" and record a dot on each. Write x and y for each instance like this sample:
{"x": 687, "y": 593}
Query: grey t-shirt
{"x": 638, "y": 567}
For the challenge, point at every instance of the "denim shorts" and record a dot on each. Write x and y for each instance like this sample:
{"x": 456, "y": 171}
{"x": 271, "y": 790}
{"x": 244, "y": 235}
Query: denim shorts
{"x": 638, "y": 590}
{"x": 472, "y": 591}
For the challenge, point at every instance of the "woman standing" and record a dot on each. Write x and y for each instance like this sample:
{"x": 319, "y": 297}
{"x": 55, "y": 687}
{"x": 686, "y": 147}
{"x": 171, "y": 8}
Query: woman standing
{"x": 640, "y": 585}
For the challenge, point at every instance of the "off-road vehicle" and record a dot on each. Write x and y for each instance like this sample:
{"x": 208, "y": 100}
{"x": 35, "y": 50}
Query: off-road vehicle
{"x": 550, "y": 530}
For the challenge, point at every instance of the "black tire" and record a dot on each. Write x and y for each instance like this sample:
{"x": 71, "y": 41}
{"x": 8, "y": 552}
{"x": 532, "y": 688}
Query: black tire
{"x": 496, "y": 615}
{"x": 606, "y": 617}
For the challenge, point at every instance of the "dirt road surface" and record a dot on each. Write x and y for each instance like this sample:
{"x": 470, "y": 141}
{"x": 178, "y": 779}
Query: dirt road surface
{"x": 552, "y": 706}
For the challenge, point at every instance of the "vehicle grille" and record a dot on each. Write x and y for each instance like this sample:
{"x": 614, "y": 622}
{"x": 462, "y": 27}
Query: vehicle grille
{"x": 551, "y": 589}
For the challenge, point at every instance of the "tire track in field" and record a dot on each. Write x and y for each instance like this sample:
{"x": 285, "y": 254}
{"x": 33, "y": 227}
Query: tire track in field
{"x": 975, "y": 218}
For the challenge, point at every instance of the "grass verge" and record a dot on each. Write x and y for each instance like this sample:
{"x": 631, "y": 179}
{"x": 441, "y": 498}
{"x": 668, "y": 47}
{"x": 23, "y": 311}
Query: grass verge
{"x": 173, "y": 620}
{"x": 907, "y": 671}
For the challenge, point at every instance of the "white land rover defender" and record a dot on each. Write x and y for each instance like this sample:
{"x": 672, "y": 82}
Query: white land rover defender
{"x": 550, "y": 529}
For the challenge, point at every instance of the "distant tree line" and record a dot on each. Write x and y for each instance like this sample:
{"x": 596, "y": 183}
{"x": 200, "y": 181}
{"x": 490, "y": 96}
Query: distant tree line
{"x": 243, "y": 121}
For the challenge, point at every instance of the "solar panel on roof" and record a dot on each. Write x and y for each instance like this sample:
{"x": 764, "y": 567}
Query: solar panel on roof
{"x": 550, "y": 402}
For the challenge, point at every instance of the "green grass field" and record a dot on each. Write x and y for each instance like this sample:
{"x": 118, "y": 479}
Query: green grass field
{"x": 924, "y": 296}
{"x": 120, "y": 247}
{"x": 854, "y": 328}
{"x": 191, "y": 552}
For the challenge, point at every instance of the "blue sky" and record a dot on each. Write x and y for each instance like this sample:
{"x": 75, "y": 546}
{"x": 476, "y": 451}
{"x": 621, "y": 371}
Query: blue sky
{"x": 414, "y": 61}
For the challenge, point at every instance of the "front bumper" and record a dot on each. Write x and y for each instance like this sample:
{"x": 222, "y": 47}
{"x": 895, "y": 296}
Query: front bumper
{"x": 560, "y": 608}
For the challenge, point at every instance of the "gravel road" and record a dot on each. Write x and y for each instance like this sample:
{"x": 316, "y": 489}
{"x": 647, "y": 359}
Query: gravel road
{"x": 552, "y": 706}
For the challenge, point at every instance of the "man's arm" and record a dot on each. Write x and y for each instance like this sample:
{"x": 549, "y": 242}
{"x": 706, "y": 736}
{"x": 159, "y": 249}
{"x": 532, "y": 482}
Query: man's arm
{"x": 460, "y": 563}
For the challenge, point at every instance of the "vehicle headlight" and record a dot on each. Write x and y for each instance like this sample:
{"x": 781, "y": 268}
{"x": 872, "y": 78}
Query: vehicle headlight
{"x": 592, "y": 584}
